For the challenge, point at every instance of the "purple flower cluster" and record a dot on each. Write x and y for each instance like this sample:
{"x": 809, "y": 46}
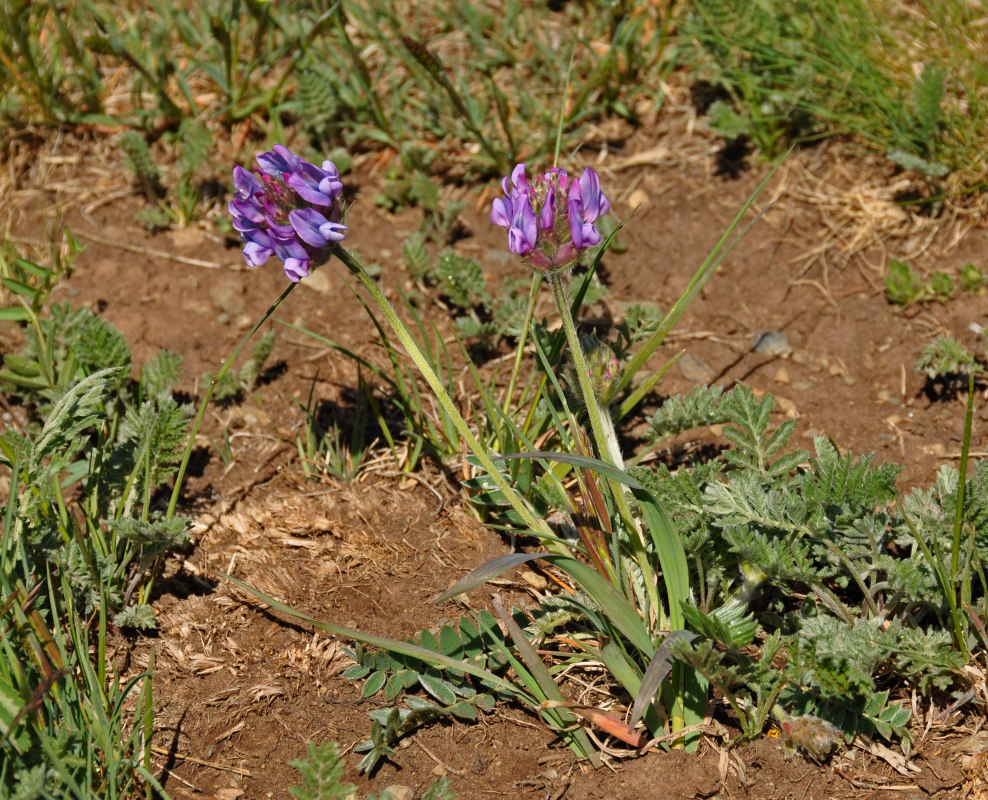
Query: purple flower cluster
{"x": 287, "y": 208}
{"x": 551, "y": 219}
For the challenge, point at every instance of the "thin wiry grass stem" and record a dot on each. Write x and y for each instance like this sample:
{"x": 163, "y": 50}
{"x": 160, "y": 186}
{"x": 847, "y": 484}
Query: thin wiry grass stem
{"x": 539, "y": 527}
{"x": 204, "y": 403}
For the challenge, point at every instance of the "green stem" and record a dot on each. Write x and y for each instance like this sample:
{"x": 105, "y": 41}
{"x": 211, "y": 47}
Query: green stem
{"x": 520, "y": 351}
{"x": 955, "y": 551}
{"x": 606, "y": 444}
{"x": 538, "y": 526}
{"x": 960, "y": 623}
{"x": 606, "y": 440}
{"x": 180, "y": 477}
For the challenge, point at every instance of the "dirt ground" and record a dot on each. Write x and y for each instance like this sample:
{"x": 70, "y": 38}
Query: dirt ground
{"x": 239, "y": 691}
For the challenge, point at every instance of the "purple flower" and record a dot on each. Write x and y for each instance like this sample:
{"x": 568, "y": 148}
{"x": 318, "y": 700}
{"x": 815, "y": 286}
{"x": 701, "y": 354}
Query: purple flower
{"x": 551, "y": 219}
{"x": 313, "y": 228}
{"x": 314, "y": 185}
{"x": 245, "y": 184}
{"x": 594, "y": 204}
{"x": 288, "y": 208}
{"x": 522, "y": 233}
{"x": 279, "y": 161}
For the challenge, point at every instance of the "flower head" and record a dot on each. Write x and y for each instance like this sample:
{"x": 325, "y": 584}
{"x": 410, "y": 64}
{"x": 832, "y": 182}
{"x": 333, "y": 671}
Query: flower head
{"x": 551, "y": 219}
{"x": 288, "y": 208}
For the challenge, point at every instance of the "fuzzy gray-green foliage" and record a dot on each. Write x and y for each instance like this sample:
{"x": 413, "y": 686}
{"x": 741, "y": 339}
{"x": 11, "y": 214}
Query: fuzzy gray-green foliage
{"x": 701, "y": 407}
{"x": 323, "y": 778}
{"x": 765, "y": 522}
{"x": 946, "y": 356}
{"x": 73, "y": 344}
{"x": 322, "y": 774}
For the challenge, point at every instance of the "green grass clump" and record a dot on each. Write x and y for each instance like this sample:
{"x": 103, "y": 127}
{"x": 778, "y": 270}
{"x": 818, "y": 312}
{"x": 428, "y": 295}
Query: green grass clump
{"x": 796, "y": 73}
{"x": 82, "y": 544}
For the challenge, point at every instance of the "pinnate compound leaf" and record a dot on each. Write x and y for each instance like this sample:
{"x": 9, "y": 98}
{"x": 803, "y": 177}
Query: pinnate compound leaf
{"x": 373, "y": 684}
{"x": 440, "y": 689}
{"x": 322, "y": 774}
{"x": 449, "y": 642}
{"x": 464, "y": 710}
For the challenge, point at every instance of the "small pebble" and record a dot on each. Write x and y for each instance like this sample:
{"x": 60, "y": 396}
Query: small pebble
{"x": 534, "y": 580}
{"x": 782, "y": 376}
{"x": 228, "y": 297}
{"x": 696, "y": 370}
{"x": 771, "y": 343}
{"x": 788, "y": 406}
{"x": 639, "y": 197}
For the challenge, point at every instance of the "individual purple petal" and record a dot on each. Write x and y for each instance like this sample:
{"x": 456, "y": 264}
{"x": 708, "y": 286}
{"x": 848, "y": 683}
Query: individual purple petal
{"x": 519, "y": 180}
{"x": 279, "y": 161}
{"x": 245, "y": 183}
{"x": 547, "y": 216}
{"x": 501, "y": 211}
{"x": 256, "y": 254}
{"x": 297, "y": 268}
{"x": 245, "y": 210}
{"x": 308, "y": 181}
{"x": 314, "y": 229}
{"x": 330, "y": 183}
{"x": 584, "y": 233}
{"x": 524, "y": 230}
{"x": 593, "y": 203}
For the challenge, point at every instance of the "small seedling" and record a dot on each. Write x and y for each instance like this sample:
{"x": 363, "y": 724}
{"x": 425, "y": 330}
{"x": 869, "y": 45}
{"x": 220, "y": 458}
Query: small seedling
{"x": 972, "y": 279}
{"x": 942, "y": 286}
{"x": 903, "y": 284}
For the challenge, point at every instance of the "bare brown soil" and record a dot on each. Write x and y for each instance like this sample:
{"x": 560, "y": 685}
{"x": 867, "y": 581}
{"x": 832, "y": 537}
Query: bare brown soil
{"x": 239, "y": 690}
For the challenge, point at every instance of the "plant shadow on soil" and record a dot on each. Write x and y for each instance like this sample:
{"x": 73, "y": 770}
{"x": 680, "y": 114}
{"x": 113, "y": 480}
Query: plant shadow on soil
{"x": 239, "y": 692}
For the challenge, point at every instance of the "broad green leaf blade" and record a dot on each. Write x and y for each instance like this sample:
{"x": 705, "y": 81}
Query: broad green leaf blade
{"x": 570, "y": 729}
{"x": 593, "y": 464}
{"x": 15, "y": 314}
{"x": 611, "y": 603}
{"x": 487, "y": 572}
{"x": 672, "y": 556}
{"x": 658, "y": 668}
